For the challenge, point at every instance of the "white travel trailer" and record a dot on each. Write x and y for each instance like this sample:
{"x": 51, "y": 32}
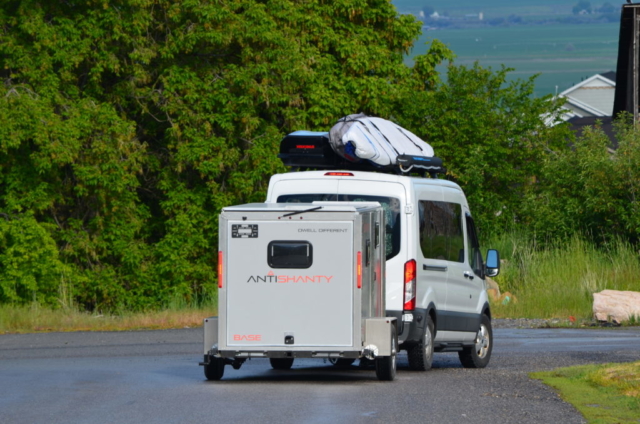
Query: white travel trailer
{"x": 301, "y": 280}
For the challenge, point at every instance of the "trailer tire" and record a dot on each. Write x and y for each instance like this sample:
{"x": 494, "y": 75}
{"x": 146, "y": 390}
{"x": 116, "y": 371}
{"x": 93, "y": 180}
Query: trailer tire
{"x": 478, "y": 356}
{"x": 420, "y": 355}
{"x": 214, "y": 370}
{"x": 281, "y": 363}
{"x": 342, "y": 362}
{"x": 386, "y": 365}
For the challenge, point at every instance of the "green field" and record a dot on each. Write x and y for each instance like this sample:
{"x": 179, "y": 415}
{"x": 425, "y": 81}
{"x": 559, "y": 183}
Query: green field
{"x": 563, "y": 54}
{"x": 496, "y": 7}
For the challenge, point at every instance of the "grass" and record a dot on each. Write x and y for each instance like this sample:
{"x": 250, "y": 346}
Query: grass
{"x": 549, "y": 282}
{"x": 559, "y": 282}
{"x": 607, "y": 393}
{"x": 34, "y": 318}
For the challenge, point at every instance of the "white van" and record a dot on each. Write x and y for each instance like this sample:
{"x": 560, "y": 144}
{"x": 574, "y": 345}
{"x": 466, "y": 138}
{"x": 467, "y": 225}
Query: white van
{"x": 435, "y": 273}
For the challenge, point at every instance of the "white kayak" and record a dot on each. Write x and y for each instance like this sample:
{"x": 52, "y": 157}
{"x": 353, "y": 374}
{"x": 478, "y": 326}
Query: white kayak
{"x": 360, "y": 137}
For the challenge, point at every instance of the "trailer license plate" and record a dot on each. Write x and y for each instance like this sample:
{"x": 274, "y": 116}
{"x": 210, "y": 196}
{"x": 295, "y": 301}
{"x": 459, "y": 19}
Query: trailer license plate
{"x": 244, "y": 231}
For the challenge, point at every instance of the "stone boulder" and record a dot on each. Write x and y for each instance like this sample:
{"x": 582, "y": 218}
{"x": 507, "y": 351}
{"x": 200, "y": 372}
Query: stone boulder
{"x": 617, "y": 306}
{"x": 493, "y": 290}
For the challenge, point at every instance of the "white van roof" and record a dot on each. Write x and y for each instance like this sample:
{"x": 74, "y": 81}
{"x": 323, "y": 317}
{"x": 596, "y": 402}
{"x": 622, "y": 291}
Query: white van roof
{"x": 362, "y": 175}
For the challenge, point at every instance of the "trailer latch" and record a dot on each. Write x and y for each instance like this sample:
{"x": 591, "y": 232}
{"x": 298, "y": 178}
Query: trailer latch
{"x": 288, "y": 339}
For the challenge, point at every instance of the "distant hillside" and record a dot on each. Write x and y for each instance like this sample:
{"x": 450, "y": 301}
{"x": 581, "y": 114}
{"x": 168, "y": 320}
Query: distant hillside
{"x": 547, "y": 37}
{"x": 527, "y": 10}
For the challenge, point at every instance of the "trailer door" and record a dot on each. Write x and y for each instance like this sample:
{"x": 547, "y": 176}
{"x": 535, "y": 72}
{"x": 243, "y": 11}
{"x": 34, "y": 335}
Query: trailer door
{"x": 290, "y": 284}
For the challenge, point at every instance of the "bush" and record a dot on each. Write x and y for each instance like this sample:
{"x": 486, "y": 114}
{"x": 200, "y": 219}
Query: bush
{"x": 589, "y": 190}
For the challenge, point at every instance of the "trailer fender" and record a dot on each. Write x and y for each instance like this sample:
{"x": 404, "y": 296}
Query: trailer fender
{"x": 211, "y": 336}
{"x": 378, "y": 332}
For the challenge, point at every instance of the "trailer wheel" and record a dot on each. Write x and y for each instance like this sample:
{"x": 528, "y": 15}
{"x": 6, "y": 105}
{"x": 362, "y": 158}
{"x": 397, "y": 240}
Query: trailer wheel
{"x": 281, "y": 363}
{"x": 421, "y": 354}
{"x": 386, "y": 365}
{"x": 214, "y": 370}
{"x": 342, "y": 362}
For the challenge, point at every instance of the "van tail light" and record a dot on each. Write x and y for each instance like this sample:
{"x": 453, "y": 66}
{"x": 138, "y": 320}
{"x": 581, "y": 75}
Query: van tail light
{"x": 410, "y": 285}
{"x": 359, "y": 270}
{"x": 219, "y": 269}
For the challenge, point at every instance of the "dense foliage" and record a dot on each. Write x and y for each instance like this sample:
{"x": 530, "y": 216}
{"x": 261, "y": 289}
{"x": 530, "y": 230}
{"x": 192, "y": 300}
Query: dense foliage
{"x": 125, "y": 125}
{"x": 492, "y": 134}
{"x": 589, "y": 189}
{"x": 128, "y": 124}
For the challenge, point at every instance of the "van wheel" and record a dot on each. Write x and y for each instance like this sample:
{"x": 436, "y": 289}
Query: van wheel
{"x": 478, "y": 355}
{"x": 214, "y": 370}
{"x": 421, "y": 354}
{"x": 281, "y": 363}
{"x": 386, "y": 365}
{"x": 342, "y": 362}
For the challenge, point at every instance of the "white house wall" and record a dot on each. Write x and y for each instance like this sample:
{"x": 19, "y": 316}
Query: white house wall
{"x": 598, "y": 97}
{"x": 591, "y": 97}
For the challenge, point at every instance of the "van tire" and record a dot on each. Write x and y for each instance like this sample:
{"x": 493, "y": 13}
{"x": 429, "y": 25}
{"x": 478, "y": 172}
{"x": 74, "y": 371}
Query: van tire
{"x": 478, "y": 356}
{"x": 386, "y": 366}
{"x": 281, "y": 363}
{"x": 421, "y": 353}
{"x": 214, "y": 370}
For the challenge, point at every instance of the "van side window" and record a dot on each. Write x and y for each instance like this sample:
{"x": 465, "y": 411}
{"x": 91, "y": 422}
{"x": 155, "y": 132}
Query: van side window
{"x": 473, "y": 248}
{"x": 441, "y": 235}
{"x": 391, "y": 206}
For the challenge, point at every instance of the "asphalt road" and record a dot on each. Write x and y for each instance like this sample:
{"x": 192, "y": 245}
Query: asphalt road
{"x": 153, "y": 377}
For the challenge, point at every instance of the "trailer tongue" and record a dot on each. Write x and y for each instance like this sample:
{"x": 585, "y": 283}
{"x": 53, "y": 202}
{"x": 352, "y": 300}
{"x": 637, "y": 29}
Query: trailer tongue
{"x": 301, "y": 281}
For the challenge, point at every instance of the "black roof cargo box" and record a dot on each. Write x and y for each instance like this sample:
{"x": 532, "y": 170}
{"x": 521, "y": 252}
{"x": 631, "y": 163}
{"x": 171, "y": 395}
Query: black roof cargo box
{"x": 312, "y": 150}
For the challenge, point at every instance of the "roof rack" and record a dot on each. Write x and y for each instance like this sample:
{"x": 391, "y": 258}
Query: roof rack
{"x": 303, "y": 150}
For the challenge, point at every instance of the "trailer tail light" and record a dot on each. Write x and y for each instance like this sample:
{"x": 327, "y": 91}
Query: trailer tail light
{"x": 410, "y": 285}
{"x": 359, "y": 271}
{"x": 338, "y": 174}
{"x": 219, "y": 269}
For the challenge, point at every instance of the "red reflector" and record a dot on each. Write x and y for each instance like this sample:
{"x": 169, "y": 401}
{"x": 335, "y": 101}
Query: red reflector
{"x": 410, "y": 285}
{"x": 219, "y": 269}
{"x": 338, "y": 174}
{"x": 305, "y": 146}
{"x": 359, "y": 271}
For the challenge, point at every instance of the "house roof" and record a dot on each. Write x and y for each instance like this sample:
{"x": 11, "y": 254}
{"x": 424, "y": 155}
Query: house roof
{"x": 611, "y": 76}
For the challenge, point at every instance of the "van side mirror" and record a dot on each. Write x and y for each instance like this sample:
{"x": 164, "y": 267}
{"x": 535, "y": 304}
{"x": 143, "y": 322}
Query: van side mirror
{"x": 492, "y": 267}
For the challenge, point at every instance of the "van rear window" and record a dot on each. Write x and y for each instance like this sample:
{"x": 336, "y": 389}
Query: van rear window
{"x": 391, "y": 206}
{"x": 290, "y": 254}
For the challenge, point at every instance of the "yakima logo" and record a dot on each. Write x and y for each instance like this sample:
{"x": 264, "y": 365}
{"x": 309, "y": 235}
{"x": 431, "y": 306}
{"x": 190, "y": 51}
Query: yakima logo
{"x": 273, "y": 278}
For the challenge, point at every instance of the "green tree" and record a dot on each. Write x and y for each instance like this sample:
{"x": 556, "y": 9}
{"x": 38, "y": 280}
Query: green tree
{"x": 589, "y": 189}
{"x": 128, "y": 124}
{"x": 492, "y": 135}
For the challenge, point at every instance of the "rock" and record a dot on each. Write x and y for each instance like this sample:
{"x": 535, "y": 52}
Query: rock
{"x": 492, "y": 285}
{"x": 616, "y": 306}
{"x": 494, "y": 294}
